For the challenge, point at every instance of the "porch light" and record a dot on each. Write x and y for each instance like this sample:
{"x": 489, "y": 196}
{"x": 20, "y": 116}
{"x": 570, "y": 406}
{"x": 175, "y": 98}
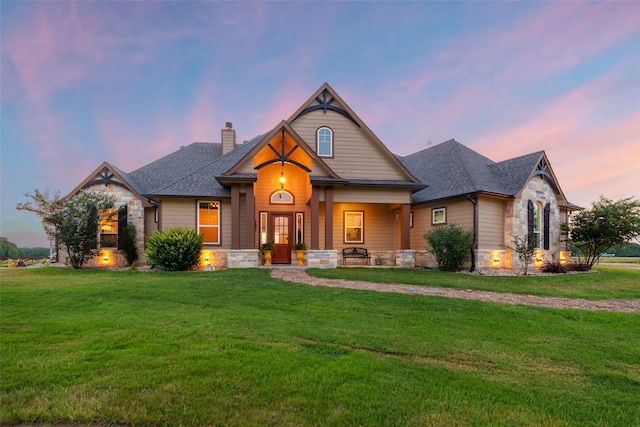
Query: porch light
{"x": 282, "y": 180}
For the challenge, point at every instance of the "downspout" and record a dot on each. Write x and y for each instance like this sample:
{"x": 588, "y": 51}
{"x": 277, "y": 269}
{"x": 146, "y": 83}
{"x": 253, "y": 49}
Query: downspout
{"x": 475, "y": 228}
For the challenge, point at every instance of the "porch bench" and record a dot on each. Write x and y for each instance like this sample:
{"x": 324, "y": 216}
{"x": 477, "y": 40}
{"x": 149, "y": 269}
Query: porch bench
{"x": 355, "y": 253}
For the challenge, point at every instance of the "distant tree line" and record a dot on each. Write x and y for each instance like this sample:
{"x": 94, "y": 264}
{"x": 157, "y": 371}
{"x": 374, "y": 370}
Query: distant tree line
{"x": 11, "y": 250}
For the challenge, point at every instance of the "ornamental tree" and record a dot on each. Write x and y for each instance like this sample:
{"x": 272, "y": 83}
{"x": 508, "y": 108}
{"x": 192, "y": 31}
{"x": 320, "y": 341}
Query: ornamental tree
{"x": 606, "y": 224}
{"x": 74, "y": 222}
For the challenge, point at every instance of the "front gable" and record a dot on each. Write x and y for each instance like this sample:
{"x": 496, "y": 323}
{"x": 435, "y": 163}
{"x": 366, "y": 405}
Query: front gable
{"x": 544, "y": 172}
{"x": 108, "y": 178}
{"x": 357, "y": 152}
{"x": 282, "y": 145}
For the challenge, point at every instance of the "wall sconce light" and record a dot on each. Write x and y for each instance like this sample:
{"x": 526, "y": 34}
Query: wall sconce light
{"x": 496, "y": 259}
{"x": 538, "y": 258}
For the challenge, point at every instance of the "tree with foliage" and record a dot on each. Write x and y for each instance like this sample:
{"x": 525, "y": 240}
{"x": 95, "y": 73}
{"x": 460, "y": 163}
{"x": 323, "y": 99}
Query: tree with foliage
{"x": 606, "y": 224}
{"x": 175, "y": 249}
{"x": 74, "y": 222}
{"x": 8, "y": 249}
{"x": 46, "y": 206}
{"x": 449, "y": 244}
{"x": 525, "y": 248}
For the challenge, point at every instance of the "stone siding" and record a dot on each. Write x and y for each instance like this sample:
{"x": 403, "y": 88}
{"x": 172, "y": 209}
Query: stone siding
{"x": 243, "y": 258}
{"x": 319, "y": 258}
{"x": 538, "y": 191}
{"x": 406, "y": 258}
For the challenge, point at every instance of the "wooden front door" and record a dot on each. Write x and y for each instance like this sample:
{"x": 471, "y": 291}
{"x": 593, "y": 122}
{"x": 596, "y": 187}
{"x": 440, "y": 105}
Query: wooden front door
{"x": 281, "y": 226}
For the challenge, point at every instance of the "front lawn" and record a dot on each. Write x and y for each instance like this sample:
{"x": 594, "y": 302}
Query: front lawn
{"x": 237, "y": 348}
{"x": 604, "y": 283}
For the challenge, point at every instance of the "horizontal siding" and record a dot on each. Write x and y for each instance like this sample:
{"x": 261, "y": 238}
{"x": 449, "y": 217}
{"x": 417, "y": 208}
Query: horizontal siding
{"x": 491, "y": 213}
{"x": 459, "y": 212}
{"x": 178, "y": 213}
{"x": 379, "y": 226}
{"x": 371, "y": 195}
{"x": 354, "y": 155}
{"x": 182, "y": 213}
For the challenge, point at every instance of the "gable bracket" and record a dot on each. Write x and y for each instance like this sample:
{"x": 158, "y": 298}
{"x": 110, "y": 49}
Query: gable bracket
{"x": 292, "y": 162}
{"x": 324, "y": 104}
{"x": 104, "y": 177}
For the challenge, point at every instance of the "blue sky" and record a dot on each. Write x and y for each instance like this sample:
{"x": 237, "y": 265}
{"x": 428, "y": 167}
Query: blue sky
{"x": 128, "y": 82}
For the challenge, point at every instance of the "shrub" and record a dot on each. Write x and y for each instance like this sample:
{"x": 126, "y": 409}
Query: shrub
{"x": 128, "y": 243}
{"x": 525, "y": 249}
{"x": 175, "y": 249}
{"x": 577, "y": 266}
{"x": 449, "y": 244}
{"x": 553, "y": 267}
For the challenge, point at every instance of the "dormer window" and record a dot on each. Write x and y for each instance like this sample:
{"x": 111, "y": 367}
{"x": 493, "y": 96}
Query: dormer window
{"x": 325, "y": 142}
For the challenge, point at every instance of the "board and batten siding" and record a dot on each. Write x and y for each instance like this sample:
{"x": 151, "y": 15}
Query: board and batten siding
{"x": 354, "y": 155}
{"x": 491, "y": 214}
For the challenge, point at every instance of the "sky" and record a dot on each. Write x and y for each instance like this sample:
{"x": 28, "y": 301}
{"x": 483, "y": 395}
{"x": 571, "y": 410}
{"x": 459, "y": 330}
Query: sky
{"x": 129, "y": 82}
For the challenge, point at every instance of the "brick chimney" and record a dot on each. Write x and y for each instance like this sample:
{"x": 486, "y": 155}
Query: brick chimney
{"x": 228, "y": 138}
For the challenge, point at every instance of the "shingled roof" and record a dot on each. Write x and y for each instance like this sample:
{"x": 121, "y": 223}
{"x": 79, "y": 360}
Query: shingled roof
{"x": 190, "y": 171}
{"x": 451, "y": 169}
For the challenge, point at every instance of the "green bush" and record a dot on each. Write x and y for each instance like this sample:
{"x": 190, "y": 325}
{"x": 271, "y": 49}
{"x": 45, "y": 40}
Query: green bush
{"x": 175, "y": 249}
{"x": 449, "y": 244}
{"x": 128, "y": 243}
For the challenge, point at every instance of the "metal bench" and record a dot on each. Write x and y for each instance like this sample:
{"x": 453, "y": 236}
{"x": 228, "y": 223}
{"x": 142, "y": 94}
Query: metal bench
{"x": 355, "y": 253}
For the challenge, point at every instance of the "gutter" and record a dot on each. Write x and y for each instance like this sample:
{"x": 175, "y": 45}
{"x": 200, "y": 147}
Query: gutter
{"x": 475, "y": 228}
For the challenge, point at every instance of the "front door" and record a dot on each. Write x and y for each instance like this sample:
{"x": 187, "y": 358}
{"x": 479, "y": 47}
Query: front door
{"x": 281, "y": 229}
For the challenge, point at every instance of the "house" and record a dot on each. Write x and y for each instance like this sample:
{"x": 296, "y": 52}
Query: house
{"x": 324, "y": 178}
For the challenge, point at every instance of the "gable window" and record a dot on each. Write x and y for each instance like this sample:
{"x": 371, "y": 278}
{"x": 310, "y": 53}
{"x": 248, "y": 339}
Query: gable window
{"x": 108, "y": 238}
{"x": 354, "y": 227}
{"x": 209, "y": 221}
{"x": 325, "y": 142}
{"x": 438, "y": 216}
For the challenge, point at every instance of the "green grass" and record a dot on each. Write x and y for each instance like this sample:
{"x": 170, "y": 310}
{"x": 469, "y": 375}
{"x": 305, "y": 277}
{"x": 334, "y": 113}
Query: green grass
{"x": 238, "y": 348}
{"x": 605, "y": 283}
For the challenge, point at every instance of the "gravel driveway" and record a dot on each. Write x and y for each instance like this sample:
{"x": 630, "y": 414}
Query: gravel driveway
{"x": 300, "y": 276}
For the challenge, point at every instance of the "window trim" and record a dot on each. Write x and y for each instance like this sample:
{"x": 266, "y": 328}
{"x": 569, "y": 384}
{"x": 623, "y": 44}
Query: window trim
{"x": 273, "y": 201}
{"x": 113, "y": 212}
{"x": 537, "y": 224}
{"x": 199, "y": 226}
{"x": 435, "y": 211}
{"x": 347, "y": 213}
{"x": 264, "y": 227}
{"x": 330, "y": 155}
{"x": 299, "y": 227}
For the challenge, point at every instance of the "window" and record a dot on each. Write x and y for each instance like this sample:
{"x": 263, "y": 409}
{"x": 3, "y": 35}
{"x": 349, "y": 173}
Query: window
{"x": 353, "y": 227}
{"x": 325, "y": 142}
{"x": 109, "y": 229}
{"x": 209, "y": 222}
{"x": 282, "y": 197}
{"x": 299, "y": 227}
{"x": 263, "y": 228}
{"x": 537, "y": 218}
{"x": 439, "y": 216}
